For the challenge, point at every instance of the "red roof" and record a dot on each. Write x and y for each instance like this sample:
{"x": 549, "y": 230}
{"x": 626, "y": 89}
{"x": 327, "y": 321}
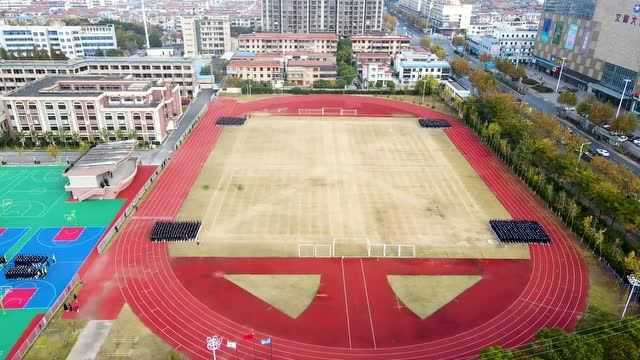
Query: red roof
{"x": 380, "y": 38}
{"x": 253, "y": 63}
{"x": 288, "y": 36}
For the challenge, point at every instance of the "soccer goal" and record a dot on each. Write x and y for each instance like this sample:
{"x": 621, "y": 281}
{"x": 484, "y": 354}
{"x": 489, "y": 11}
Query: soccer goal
{"x": 349, "y": 112}
{"x": 310, "y": 112}
{"x": 391, "y": 250}
{"x": 315, "y": 250}
{"x": 70, "y": 217}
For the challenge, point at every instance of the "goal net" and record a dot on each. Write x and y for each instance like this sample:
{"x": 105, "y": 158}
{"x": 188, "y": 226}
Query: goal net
{"x": 315, "y": 250}
{"x": 391, "y": 250}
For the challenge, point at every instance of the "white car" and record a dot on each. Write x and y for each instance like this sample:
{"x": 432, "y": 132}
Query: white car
{"x": 622, "y": 138}
{"x": 637, "y": 142}
{"x": 603, "y": 152}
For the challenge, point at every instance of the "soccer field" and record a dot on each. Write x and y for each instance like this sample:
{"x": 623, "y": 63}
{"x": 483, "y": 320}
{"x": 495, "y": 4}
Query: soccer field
{"x": 289, "y": 186}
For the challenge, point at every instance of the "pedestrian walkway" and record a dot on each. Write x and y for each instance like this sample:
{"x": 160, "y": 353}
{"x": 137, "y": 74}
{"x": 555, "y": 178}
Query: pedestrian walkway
{"x": 90, "y": 340}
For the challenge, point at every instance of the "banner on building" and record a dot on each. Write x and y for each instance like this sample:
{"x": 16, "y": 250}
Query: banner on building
{"x": 546, "y": 30}
{"x": 557, "y": 34}
{"x": 570, "y": 43}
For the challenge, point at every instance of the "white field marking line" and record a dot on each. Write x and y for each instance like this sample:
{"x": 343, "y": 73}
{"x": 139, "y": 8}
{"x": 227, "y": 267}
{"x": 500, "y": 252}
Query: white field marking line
{"x": 366, "y": 294}
{"x": 346, "y": 303}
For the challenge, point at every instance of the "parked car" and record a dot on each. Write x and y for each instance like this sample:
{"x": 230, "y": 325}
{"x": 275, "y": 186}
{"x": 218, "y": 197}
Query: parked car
{"x": 602, "y": 152}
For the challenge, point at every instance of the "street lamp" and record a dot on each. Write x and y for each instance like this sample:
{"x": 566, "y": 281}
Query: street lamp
{"x": 626, "y": 82}
{"x": 580, "y": 152}
{"x": 560, "y": 76}
{"x": 213, "y": 344}
{"x": 634, "y": 282}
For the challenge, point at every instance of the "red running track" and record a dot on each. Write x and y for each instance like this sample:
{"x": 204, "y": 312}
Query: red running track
{"x": 554, "y": 295}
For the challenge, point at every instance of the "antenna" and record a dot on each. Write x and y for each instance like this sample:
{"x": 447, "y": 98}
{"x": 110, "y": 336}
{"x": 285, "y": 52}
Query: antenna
{"x": 144, "y": 21}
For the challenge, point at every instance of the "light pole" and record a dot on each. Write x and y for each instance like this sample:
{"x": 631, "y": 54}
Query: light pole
{"x": 580, "y": 152}
{"x": 626, "y": 82}
{"x": 213, "y": 344}
{"x": 560, "y": 76}
{"x": 634, "y": 282}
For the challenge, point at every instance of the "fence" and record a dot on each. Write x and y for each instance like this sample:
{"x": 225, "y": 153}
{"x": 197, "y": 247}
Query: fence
{"x": 22, "y": 348}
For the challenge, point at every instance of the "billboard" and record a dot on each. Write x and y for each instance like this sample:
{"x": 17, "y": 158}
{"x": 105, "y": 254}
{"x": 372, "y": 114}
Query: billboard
{"x": 570, "y": 42}
{"x": 546, "y": 30}
{"x": 585, "y": 40}
{"x": 557, "y": 34}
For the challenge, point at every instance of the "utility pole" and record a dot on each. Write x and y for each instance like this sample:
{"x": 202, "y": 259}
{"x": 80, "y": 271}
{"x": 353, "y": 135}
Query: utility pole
{"x": 624, "y": 91}
{"x": 144, "y": 21}
{"x": 634, "y": 282}
{"x": 560, "y": 75}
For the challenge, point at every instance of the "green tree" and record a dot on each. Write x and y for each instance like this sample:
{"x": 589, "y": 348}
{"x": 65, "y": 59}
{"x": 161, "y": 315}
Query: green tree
{"x": 390, "y": 22}
{"x": 625, "y": 123}
{"x": 483, "y": 81}
{"x": 496, "y": 353}
{"x": 53, "y": 151}
{"x": 600, "y": 113}
{"x": 567, "y": 98}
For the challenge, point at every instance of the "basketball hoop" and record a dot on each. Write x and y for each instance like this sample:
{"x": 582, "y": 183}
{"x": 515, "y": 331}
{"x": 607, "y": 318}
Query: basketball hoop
{"x": 213, "y": 344}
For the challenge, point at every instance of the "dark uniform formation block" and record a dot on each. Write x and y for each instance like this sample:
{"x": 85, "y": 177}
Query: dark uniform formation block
{"x": 175, "y": 231}
{"x": 434, "y": 123}
{"x": 519, "y": 231}
{"x": 232, "y": 121}
{"x": 28, "y": 267}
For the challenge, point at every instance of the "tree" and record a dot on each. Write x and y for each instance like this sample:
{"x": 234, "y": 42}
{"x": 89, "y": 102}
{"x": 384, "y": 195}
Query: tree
{"x": 567, "y": 98}
{"x": 483, "y": 81}
{"x": 390, "y": 22}
{"x": 53, "y": 151}
{"x": 625, "y": 123}
{"x": 632, "y": 263}
{"x": 496, "y": 353}
{"x": 600, "y": 113}
{"x": 425, "y": 42}
{"x": 460, "y": 66}
{"x": 458, "y": 41}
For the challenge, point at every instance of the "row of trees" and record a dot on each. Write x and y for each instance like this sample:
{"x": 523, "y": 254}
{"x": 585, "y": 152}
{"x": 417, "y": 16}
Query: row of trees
{"x": 600, "y": 113}
{"x": 131, "y": 37}
{"x": 35, "y": 54}
{"x": 249, "y": 86}
{"x": 329, "y": 84}
{"x": 508, "y": 68}
{"x": 590, "y": 197}
{"x": 62, "y": 138}
{"x": 617, "y": 340}
{"x": 436, "y": 49}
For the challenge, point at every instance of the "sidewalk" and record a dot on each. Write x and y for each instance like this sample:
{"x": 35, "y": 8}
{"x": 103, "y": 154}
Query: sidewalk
{"x": 551, "y": 82}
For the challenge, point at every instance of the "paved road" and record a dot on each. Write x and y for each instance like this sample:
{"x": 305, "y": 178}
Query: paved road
{"x": 148, "y": 157}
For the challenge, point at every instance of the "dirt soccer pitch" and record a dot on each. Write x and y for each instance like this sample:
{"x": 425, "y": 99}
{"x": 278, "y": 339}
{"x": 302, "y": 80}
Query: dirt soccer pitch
{"x": 341, "y": 186}
{"x": 414, "y": 273}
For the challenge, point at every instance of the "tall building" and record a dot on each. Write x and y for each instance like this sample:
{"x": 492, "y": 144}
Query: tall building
{"x": 206, "y": 35}
{"x": 598, "y": 41}
{"x": 72, "y": 41}
{"x": 283, "y": 43}
{"x": 344, "y": 17}
{"x": 448, "y": 16}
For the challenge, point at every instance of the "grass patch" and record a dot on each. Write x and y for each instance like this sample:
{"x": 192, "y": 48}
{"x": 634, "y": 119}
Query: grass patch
{"x": 426, "y": 294}
{"x": 129, "y": 336}
{"x": 542, "y": 89}
{"x": 291, "y": 294}
{"x": 205, "y": 187}
{"x": 57, "y": 339}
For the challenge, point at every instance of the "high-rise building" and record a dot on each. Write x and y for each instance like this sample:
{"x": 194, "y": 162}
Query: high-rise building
{"x": 448, "y": 16}
{"x": 72, "y": 41}
{"x": 206, "y": 35}
{"x": 344, "y": 17}
{"x": 597, "y": 40}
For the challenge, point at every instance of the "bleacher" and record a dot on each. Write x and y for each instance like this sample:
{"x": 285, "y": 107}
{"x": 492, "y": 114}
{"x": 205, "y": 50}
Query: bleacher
{"x": 175, "y": 230}
{"x": 434, "y": 123}
{"x": 519, "y": 231}
{"x": 231, "y": 121}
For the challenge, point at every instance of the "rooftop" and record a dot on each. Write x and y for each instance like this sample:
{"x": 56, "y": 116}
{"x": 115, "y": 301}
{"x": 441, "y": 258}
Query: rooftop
{"x": 79, "y": 85}
{"x": 381, "y": 38}
{"x": 102, "y": 157}
{"x": 289, "y": 36}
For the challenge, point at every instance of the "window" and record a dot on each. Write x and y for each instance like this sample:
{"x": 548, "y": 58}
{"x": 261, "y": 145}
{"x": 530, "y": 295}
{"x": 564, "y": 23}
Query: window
{"x": 48, "y": 106}
{"x": 62, "y": 106}
{"x": 108, "y": 117}
{"x": 32, "y": 106}
{"x": 77, "y": 106}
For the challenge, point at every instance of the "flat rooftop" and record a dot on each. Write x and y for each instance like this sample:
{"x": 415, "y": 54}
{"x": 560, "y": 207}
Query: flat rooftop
{"x": 51, "y": 86}
{"x": 102, "y": 157}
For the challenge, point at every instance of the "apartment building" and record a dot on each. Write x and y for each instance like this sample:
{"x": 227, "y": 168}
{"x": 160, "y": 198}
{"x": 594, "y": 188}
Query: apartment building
{"x": 505, "y": 42}
{"x": 180, "y": 71}
{"x": 288, "y": 42}
{"x": 261, "y": 69}
{"x": 206, "y": 35}
{"x": 388, "y": 44}
{"x": 72, "y": 41}
{"x": 448, "y": 16}
{"x": 304, "y": 73}
{"x": 411, "y": 66}
{"x": 343, "y": 17}
{"x": 597, "y": 41}
{"x": 97, "y": 108}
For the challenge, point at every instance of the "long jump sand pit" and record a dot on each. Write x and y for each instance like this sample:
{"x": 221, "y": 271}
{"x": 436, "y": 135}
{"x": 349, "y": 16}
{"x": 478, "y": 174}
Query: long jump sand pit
{"x": 289, "y": 186}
